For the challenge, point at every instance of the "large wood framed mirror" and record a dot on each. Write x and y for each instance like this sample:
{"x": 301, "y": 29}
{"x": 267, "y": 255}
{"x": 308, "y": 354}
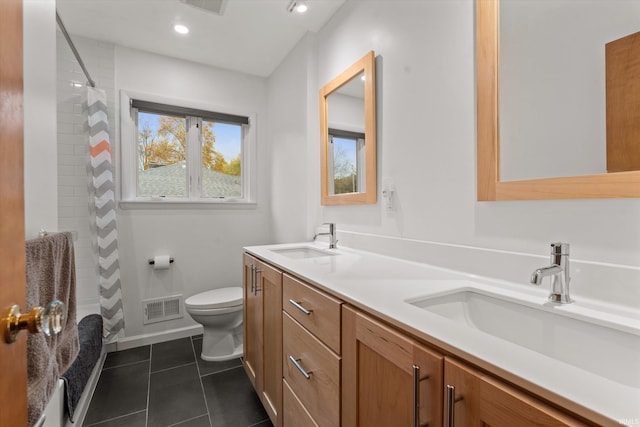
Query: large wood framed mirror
{"x": 491, "y": 186}
{"x": 348, "y": 136}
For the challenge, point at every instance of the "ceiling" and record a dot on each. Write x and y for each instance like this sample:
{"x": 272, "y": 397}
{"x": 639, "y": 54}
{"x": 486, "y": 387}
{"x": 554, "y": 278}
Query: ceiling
{"x": 251, "y": 36}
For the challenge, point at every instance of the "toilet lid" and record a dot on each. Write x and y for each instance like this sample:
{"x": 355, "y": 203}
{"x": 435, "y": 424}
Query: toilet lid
{"x": 217, "y": 298}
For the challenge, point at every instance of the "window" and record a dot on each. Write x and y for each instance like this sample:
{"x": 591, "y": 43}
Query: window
{"x": 346, "y": 160}
{"x": 177, "y": 154}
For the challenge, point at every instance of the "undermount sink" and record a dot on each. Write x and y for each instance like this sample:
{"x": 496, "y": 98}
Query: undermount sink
{"x": 601, "y": 350}
{"x": 302, "y": 252}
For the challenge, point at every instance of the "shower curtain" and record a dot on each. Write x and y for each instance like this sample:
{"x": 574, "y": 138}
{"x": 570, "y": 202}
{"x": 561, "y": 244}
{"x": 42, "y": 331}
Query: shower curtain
{"x": 105, "y": 209}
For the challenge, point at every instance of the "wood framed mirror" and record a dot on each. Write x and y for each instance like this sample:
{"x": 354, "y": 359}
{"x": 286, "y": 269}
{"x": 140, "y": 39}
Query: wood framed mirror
{"x": 348, "y": 136}
{"x": 489, "y": 185}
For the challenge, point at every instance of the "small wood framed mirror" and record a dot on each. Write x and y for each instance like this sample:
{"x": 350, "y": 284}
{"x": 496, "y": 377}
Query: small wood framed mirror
{"x": 348, "y": 136}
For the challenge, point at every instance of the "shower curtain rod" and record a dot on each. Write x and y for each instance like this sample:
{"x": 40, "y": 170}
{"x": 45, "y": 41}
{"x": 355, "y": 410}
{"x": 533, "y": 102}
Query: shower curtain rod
{"x": 91, "y": 82}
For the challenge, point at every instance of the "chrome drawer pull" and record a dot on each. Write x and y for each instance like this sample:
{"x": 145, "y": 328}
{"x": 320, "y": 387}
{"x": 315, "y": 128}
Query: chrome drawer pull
{"x": 300, "y": 307}
{"x": 450, "y": 409}
{"x": 416, "y": 396}
{"x": 253, "y": 277}
{"x": 296, "y": 363}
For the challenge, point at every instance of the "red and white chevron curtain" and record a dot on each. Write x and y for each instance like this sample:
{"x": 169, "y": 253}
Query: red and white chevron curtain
{"x": 105, "y": 208}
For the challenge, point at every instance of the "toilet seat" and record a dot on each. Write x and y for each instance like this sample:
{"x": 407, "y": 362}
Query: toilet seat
{"x": 216, "y": 299}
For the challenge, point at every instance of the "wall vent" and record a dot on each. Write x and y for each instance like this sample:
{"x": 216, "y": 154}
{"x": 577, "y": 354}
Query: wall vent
{"x": 161, "y": 309}
{"x": 213, "y": 6}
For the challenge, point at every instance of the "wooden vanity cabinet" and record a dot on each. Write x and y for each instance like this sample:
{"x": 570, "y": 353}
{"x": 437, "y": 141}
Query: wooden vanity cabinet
{"x": 311, "y": 355}
{"x": 349, "y": 369}
{"x": 478, "y": 399}
{"x": 388, "y": 378}
{"x": 263, "y": 333}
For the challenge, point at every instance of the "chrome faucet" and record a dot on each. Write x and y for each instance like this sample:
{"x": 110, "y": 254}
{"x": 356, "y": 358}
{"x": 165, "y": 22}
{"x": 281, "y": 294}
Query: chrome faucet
{"x": 332, "y": 235}
{"x": 559, "y": 272}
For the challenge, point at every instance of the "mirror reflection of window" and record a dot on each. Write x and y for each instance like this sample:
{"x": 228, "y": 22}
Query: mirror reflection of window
{"x": 346, "y": 159}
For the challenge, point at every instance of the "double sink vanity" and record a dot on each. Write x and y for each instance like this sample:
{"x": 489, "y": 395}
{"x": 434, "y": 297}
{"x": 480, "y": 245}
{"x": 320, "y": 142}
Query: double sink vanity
{"x": 347, "y": 337}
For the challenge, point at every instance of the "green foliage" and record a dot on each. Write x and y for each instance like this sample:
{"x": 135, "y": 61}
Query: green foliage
{"x": 345, "y": 184}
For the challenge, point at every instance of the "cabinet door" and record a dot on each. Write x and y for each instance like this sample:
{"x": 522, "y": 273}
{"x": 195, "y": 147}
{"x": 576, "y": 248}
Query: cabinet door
{"x": 252, "y": 324}
{"x": 388, "y": 378}
{"x": 480, "y": 400}
{"x": 269, "y": 282}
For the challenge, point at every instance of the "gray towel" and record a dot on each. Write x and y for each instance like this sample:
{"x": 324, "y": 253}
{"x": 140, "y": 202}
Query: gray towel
{"x": 77, "y": 376}
{"x": 51, "y": 275}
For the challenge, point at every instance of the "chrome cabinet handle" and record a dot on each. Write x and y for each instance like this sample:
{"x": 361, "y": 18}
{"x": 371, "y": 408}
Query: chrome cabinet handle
{"x": 256, "y": 289}
{"x": 450, "y": 407}
{"x": 300, "y": 307}
{"x": 416, "y": 396}
{"x": 253, "y": 276}
{"x": 296, "y": 363}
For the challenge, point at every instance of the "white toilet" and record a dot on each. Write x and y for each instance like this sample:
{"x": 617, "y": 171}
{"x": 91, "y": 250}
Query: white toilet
{"x": 219, "y": 311}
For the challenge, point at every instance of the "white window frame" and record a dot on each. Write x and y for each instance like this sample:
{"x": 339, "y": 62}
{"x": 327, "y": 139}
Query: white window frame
{"x": 361, "y": 164}
{"x": 128, "y": 170}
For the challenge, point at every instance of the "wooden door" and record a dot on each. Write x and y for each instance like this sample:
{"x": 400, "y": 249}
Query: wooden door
{"x": 483, "y": 401}
{"x": 13, "y": 357}
{"x": 270, "y": 286}
{"x": 252, "y": 325}
{"x": 379, "y": 377}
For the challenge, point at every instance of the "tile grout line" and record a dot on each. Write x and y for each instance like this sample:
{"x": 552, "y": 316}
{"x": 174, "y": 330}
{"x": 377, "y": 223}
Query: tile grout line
{"x": 127, "y": 364}
{"x": 173, "y": 367}
{"x": 221, "y": 371}
{"x": 146, "y": 421}
{"x": 190, "y": 419}
{"x": 204, "y": 395}
{"x": 115, "y": 418}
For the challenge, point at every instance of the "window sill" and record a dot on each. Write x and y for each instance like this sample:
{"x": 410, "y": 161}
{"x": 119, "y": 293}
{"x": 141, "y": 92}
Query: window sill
{"x": 185, "y": 204}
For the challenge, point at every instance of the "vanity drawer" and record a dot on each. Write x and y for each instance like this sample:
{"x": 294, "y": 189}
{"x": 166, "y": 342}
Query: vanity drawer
{"x": 294, "y": 412}
{"x": 313, "y": 309}
{"x": 319, "y": 391}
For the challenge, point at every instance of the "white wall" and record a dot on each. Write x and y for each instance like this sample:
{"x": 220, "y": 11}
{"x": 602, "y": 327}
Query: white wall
{"x": 346, "y": 112}
{"x": 40, "y": 166}
{"x": 425, "y": 69}
{"x": 289, "y": 147}
{"x": 206, "y": 243}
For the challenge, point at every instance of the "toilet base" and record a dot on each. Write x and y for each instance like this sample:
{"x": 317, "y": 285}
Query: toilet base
{"x": 220, "y": 346}
{"x": 235, "y": 355}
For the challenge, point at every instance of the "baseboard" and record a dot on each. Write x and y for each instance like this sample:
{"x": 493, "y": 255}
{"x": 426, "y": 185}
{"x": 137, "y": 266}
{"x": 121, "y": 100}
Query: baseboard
{"x": 146, "y": 339}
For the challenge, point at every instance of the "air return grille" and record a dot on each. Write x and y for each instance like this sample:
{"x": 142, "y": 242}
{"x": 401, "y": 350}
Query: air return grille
{"x": 213, "y": 6}
{"x": 160, "y": 309}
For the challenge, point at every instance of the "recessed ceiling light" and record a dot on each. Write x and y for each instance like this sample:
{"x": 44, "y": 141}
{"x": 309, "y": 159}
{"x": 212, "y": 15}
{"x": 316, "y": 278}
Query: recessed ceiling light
{"x": 181, "y": 29}
{"x": 299, "y": 6}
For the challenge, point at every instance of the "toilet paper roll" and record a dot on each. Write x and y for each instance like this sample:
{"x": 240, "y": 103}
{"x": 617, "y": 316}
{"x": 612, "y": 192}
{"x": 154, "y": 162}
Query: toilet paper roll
{"x": 161, "y": 262}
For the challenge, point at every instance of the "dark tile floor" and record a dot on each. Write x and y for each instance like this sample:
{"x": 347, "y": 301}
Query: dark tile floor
{"x": 168, "y": 384}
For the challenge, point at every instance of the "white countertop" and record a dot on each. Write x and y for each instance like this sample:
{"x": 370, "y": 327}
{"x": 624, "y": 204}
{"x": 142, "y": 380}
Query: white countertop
{"x": 382, "y": 285}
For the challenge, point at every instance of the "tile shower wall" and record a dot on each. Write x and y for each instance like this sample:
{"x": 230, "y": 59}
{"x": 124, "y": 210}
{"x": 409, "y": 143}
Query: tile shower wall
{"x": 74, "y": 200}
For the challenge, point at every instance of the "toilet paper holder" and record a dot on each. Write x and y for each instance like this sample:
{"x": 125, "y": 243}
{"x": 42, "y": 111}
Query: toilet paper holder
{"x": 152, "y": 261}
